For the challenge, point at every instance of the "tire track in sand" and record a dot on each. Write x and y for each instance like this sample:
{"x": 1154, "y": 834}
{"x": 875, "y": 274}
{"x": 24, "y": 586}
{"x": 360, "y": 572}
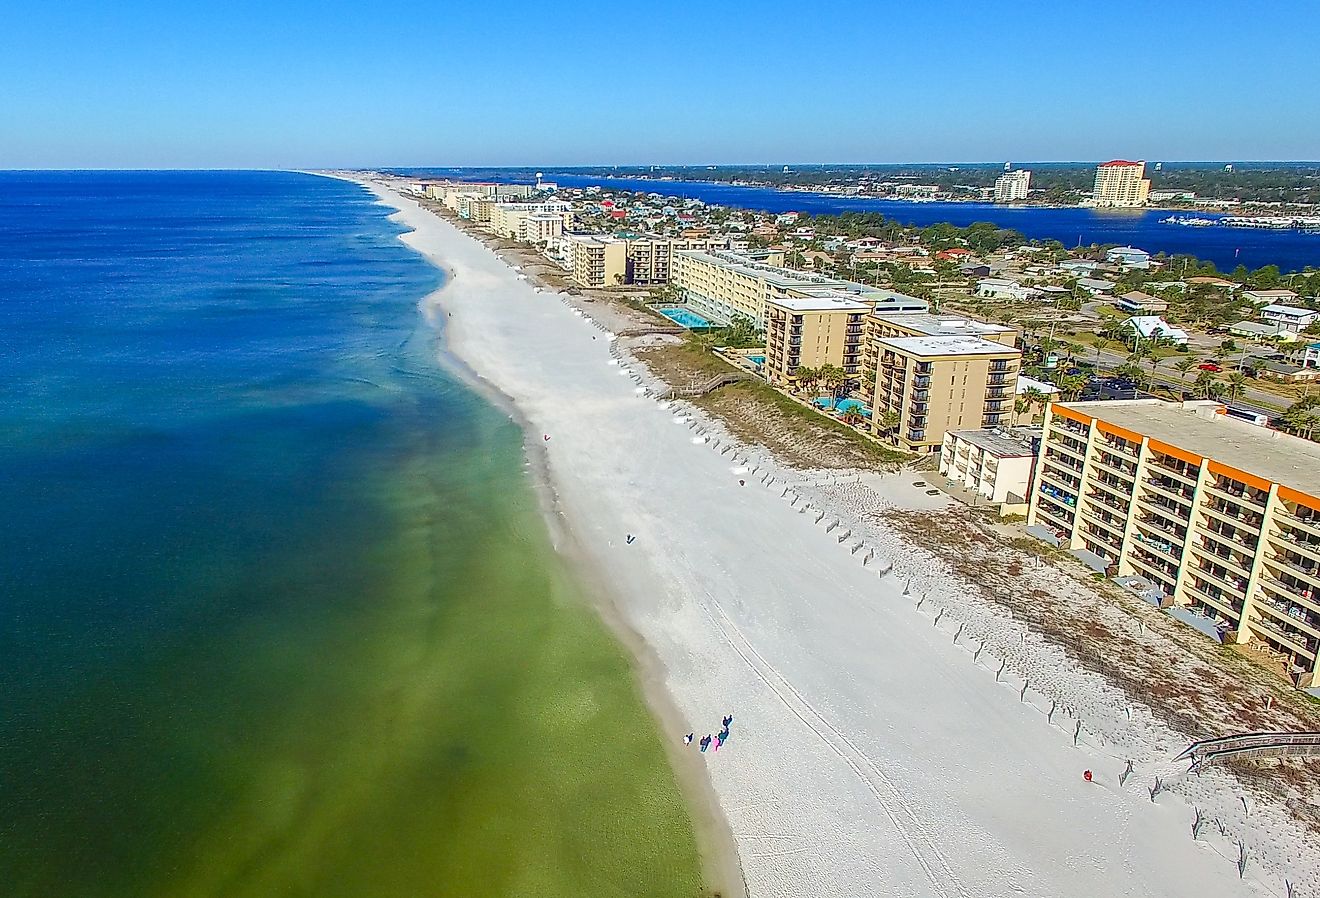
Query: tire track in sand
{"x": 909, "y": 825}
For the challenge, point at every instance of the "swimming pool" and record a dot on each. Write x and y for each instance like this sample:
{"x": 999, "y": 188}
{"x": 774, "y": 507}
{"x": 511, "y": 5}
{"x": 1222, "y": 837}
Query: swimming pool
{"x": 686, "y": 317}
{"x": 756, "y": 359}
{"x": 843, "y": 405}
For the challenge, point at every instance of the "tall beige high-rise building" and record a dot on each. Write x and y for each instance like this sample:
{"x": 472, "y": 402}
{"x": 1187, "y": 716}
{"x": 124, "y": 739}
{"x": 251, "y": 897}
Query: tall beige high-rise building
{"x": 598, "y": 261}
{"x": 1221, "y": 517}
{"x": 938, "y": 384}
{"x": 812, "y": 332}
{"x": 1012, "y": 186}
{"x": 1120, "y": 184}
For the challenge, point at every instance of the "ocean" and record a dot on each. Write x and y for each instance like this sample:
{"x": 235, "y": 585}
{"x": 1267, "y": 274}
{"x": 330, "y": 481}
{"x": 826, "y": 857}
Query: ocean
{"x": 1226, "y": 247}
{"x": 280, "y": 612}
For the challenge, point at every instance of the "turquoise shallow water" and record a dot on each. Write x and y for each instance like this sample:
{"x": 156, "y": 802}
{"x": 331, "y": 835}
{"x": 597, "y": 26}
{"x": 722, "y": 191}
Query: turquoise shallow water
{"x": 279, "y": 612}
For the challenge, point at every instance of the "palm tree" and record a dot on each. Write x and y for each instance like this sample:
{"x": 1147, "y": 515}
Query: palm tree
{"x": 1154, "y": 362}
{"x": 1101, "y": 344}
{"x": 832, "y": 377}
{"x": 888, "y": 422}
{"x": 807, "y": 378}
{"x": 1071, "y": 385}
{"x": 852, "y": 417}
{"x": 1185, "y": 364}
{"x": 1237, "y": 385}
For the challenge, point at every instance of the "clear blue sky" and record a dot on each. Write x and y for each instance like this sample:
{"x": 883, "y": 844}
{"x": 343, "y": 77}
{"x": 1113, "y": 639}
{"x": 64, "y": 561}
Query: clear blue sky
{"x": 136, "y": 83}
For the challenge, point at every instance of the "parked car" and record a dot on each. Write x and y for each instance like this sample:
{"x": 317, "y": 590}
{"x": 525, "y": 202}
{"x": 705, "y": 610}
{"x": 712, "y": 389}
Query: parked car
{"x": 1210, "y": 366}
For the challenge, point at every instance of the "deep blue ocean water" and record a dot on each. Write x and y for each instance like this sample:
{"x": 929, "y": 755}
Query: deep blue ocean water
{"x": 278, "y": 610}
{"x": 1226, "y": 247}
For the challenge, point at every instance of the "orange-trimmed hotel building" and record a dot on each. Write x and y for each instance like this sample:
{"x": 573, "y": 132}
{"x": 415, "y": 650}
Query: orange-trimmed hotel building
{"x": 1219, "y": 516}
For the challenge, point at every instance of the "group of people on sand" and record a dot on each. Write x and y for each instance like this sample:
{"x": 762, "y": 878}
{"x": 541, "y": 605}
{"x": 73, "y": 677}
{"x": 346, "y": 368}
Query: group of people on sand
{"x": 708, "y": 740}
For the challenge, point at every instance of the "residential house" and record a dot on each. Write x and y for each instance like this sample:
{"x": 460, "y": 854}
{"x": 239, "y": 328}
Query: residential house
{"x": 1137, "y": 303}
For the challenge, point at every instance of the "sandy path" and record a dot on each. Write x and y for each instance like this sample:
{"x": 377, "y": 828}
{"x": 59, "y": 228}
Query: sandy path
{"x": 870, "y": 755}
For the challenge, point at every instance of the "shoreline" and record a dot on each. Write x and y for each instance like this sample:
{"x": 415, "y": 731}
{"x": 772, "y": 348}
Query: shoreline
{"x": 830, "y": 741}
{"x": 721, "y": 866}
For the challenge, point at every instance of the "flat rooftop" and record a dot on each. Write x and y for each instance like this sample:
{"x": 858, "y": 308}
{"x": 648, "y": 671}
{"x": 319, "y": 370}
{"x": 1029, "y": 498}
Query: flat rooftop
{"x": 779, "y": 277}
{"x": 1012, "y": 443}
{"x": 1194, "y": 426}
{"x": 934, "y": 347}
{"x": 941, "y": 325}
{"x": 826, "y": 301}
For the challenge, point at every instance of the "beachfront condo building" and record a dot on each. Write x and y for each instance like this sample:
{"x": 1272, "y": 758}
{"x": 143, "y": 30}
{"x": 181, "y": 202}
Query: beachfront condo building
{"x": 720, "y": 285}
{"x": 812, "y": 332}
{"x": 597, "y": 261}
{"x": 1220, "y": 518}
{"x": 506, "y": 219}
{"x": 651, "y": 256}
{"x": 542, "y": 227}
{"x": 1120, "y": 184}
{"x": 882, "y": 323}
{"x": 934, "y": 384}
{"x": 1012, "y": 186}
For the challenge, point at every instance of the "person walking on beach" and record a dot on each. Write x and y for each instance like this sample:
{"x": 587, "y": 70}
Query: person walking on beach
{"x": 687, "y": 740}
{"x": 728, "y": 719}
{"x": 705, "y": 742}
{"x": 718, "y": 742}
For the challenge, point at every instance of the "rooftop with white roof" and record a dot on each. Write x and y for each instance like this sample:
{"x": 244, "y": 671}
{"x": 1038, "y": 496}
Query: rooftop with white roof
{"x": 825, "y": 301}
{"x": 931, "y": 347}
{"x": 941, "y": 325}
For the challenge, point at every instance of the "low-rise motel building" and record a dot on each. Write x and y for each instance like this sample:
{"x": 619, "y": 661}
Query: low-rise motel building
{"x": 1220, "y": 517}
{"x": 811, "y": 332}
{"x": 995, "y": 464}
{"x": 942, "y": 383}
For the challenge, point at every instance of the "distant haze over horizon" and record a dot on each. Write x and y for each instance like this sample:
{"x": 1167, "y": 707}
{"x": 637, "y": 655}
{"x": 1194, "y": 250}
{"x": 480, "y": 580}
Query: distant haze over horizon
{"x": 146, "y": 84}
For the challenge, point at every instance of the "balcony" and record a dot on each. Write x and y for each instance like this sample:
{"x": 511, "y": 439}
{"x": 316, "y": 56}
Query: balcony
{"x": 1170, "y": 487}
{"x": 1167, "y": 548}
{"x": 1055, "y": 518}
{"x": 1125, "y": 468}
{"x": 1269, "y": 629}
{"x": 1225, "y": 580}
{"x": 1227, "y": 605}
{"x": 1107, "y": 500}
{"x": 1163, "y": 527}
{"x": 1163, "y": 571}
{"x": 1076, "y": 429}
{"x": 1064, "y": 481}
{"x": 1309, "y": 521}
{"x": 1297, "y": 542}
{"x": 1296, "y": 567}
{"x": 1237, "y": 537}
{"x": 1053, "y": 455}
{"x": 1122, "y": 447}
{"x": 1237, "y": 516}
{"x": 1068, "y": 444}
{"x": 1235, "y": 563}
{"x": 1175, "y": 468}
{"x": 1113, "y": 486}
{"x": 921, "y": 382}
{"x": 1288, "y": 613}
{"x": 1254, "y": 499}
{"x": 998, "y": 393}
{"x": 999, "y": 365}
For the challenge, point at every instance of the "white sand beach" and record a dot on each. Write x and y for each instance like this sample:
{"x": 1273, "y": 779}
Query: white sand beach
{"x": 871, "y": 754}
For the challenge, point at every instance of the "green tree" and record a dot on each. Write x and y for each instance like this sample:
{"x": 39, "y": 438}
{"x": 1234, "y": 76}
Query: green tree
{"x": 1237, "y": 385}
{"x": 1185, "y": 364}
{"x": 1071, "y": 385}
{"x": 887, "y": 422}
{"x": 807, "y": 378}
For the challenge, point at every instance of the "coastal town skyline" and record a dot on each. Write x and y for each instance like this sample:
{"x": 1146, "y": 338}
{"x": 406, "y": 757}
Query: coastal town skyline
{"x": 162, "y": 86}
